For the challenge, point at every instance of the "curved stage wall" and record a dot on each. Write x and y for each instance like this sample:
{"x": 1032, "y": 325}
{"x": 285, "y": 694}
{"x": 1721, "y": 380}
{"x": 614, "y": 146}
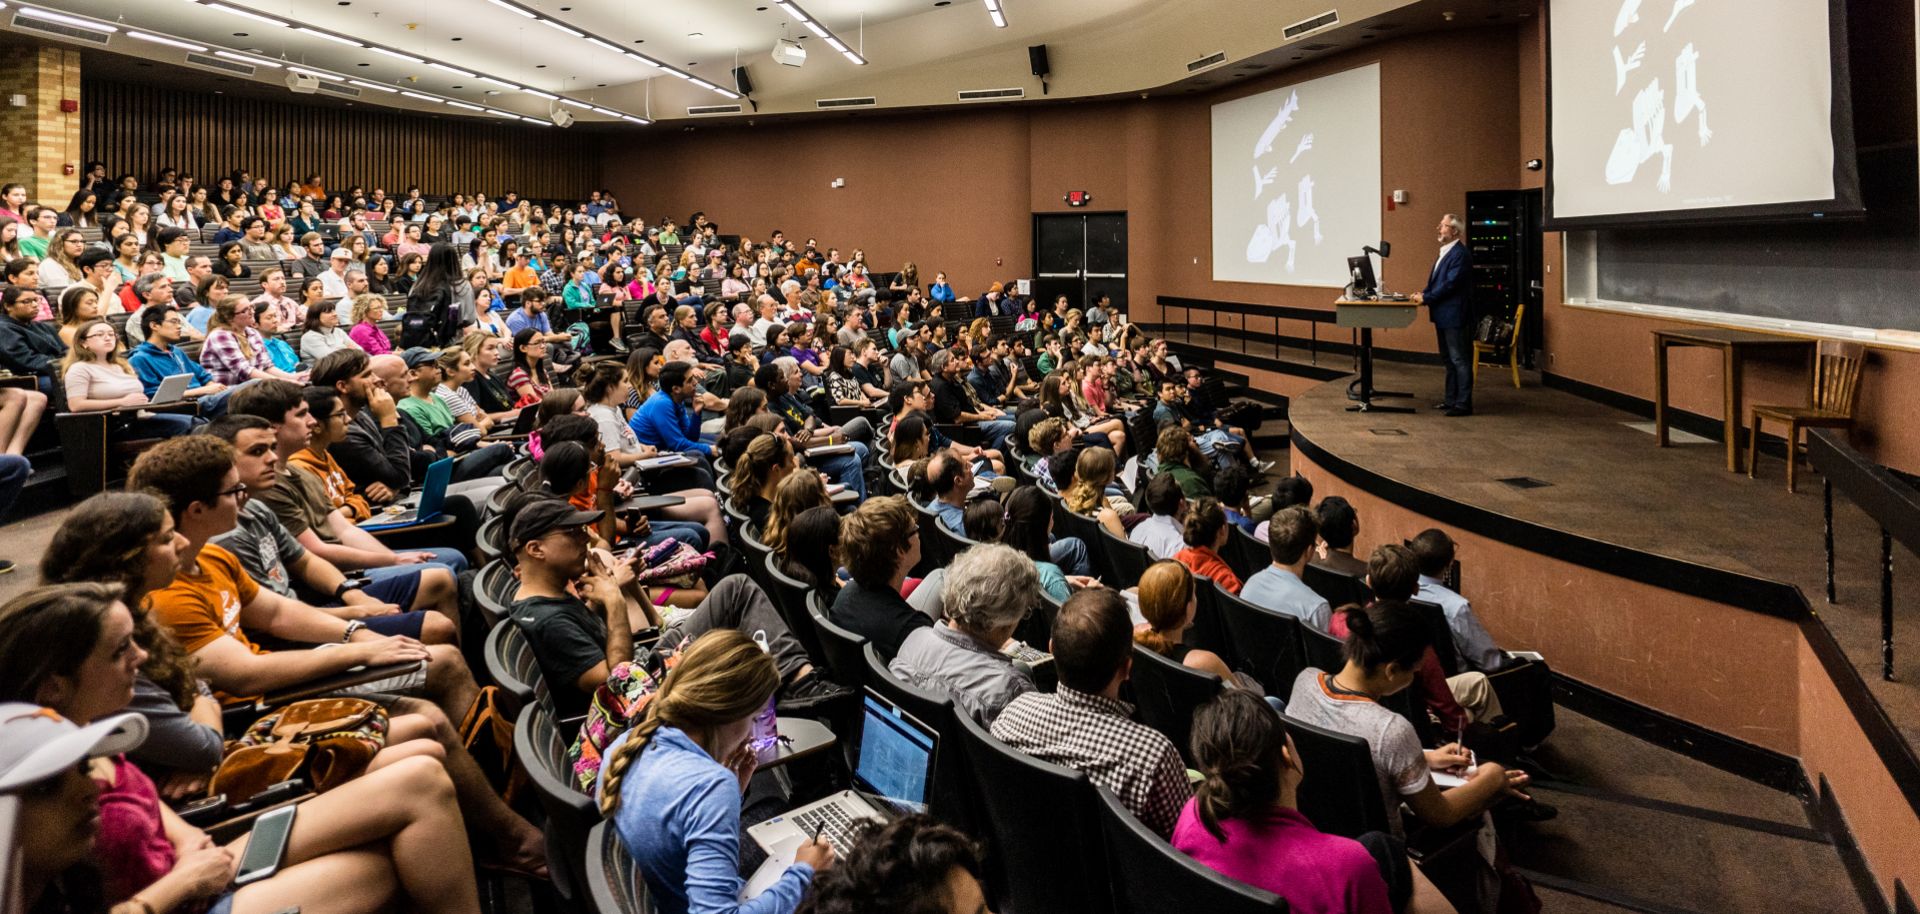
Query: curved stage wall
{"x": 1735, "y": 666}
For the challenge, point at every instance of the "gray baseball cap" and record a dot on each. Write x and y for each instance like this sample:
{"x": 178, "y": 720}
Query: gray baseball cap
{"x": 36, "y": 743}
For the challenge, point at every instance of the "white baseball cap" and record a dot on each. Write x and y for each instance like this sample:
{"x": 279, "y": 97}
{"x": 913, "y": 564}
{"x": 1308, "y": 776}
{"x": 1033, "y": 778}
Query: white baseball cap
{"x": 36, "y": 743}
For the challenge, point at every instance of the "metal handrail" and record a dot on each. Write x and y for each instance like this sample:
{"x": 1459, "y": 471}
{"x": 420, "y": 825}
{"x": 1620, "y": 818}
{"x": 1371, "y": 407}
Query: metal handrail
{"x": 1892, "y": 504}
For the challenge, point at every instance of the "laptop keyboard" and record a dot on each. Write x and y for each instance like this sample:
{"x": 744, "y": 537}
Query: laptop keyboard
{"x": 832, "y": 823}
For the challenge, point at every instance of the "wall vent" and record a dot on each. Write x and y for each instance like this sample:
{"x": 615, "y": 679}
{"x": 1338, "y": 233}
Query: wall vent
{"x": 699, "y": 110}
{"x": 217, "y": 63}
{"x": 91, "y": 36}
{"x": 1211, "y": 60}
{"x": 1330, "y": 17}
{"x": 337, "y": 89}
{"x": 987, "y": 95}
{"x": 831, "y": 103}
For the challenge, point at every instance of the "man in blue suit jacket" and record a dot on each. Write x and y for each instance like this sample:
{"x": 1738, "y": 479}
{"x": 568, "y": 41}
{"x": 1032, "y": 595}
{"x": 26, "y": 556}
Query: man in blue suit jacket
{"x": 1447, "y": 301}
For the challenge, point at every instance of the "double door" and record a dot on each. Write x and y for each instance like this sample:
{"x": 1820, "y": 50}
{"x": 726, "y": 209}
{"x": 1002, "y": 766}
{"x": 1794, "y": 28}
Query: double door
{"x": 1081, "y": 256}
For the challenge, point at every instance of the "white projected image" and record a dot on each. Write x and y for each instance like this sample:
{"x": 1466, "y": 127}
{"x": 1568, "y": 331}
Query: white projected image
{"x": 1312, "y": 152}
{"x": 1622, "y": 68}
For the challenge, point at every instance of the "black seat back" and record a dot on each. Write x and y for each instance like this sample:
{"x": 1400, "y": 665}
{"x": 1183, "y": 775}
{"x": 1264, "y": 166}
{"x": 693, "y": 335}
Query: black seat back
{"x": 1087, "y": 529}
{"x": 614, "y": 883}
{"x": 1440, "y": 634}
{"x": 514, "y": 669}
{"x": 1268, "y": 643}
{"x": 570, "y": 814}
{"x": 1128, "y": 559}
{"x": 1168, "y": 692}
{"x": 1340, "y": 794}
{"x": 492, "y": 538}
{"x": 755, "y": 553}
{"x": 1039, "y": 819}
{"x": 948, "y": 798}
{"x": 1244, "y": 554}
{"x": 936, "y": 548}
{"x": 1150, "y": 877}
{"x": 493, "y": 591}
{"x": 790, "y": 598}
{"x": 843, "y": 648}
{"x": 1323, "y": 651}
{"x": 1339, "y": 589}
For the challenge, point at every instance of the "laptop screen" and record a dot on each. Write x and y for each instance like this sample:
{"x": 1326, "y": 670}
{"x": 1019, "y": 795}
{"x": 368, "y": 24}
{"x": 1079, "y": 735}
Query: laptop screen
{"x": 896, "y": 754}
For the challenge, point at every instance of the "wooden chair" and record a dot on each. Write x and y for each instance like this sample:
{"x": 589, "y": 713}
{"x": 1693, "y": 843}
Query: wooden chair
{"x": 1513, "y": 348}
{"x": 1836, "y": 381}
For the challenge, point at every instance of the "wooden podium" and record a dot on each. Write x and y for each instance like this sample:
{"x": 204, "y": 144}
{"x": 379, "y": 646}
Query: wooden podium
{"x": 1364, "y": 315}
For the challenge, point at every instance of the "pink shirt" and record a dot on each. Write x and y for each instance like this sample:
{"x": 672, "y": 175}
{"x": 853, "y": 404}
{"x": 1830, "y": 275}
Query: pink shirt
{"x": 1283, "y": 853}
{"x": 369, "y": 336}
{"x": 132, "y": 848}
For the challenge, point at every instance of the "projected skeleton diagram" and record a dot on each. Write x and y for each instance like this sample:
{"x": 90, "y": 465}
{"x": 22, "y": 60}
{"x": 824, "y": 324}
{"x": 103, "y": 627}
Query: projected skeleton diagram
{"x": 1665, "y": 105}
{"x": 1296, "y": 180}
{"x": 1644, "y": 139}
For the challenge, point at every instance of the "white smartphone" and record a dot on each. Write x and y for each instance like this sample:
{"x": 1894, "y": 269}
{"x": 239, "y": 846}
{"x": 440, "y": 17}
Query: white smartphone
{"x": 266, "y": 844}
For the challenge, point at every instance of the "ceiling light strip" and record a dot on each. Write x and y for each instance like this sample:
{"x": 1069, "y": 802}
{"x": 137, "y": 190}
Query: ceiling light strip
{"x": 398, "y": 55}
{"x": 815, "y": 26}
{"x": 605, "y": 44}
{"x": 64, "y": 19}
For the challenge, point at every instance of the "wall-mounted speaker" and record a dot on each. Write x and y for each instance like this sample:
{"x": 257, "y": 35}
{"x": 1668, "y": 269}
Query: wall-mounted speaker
{"x": 741, "y": 83}
{"x": 1037, "y": 56}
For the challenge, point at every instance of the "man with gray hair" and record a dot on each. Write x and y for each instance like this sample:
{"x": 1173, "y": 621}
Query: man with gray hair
{"x": 987, "y": 592}
{"x": 1447, "y": 297}
{"x": 356, "y": 280}
{"x": 761, "y": 331}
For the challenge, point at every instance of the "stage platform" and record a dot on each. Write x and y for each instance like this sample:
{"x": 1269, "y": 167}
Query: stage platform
{"x": 1652, "y": 579}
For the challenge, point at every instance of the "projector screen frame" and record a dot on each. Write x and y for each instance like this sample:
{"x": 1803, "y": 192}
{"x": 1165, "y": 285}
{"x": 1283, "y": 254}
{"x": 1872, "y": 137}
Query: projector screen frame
{"x": 1846, "y": 202}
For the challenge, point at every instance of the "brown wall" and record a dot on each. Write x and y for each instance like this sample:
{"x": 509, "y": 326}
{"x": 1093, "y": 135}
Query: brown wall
{"x": 957, "y": 190}
{"x": 143, "y": 127}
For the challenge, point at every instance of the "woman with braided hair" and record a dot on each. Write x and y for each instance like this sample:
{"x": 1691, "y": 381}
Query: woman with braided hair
{"x": 672, "y": 784}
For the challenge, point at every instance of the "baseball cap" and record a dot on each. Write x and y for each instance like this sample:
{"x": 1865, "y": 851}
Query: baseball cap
{"x": 341, "y": 253}
{"x": 36, "y": 743}
{"x": 996, "y": 287}
{"x": 545, "y": 516}
{"x": 419, "y": 355}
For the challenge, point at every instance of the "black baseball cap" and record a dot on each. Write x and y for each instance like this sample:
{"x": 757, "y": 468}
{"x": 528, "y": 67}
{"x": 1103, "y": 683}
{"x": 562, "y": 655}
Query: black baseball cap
{"x": 545, "y": 516}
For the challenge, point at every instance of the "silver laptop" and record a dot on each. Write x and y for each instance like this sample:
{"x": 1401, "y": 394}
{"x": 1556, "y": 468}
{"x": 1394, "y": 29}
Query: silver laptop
{"x": 891, "y": 779}
{"x": 172, "y": 388}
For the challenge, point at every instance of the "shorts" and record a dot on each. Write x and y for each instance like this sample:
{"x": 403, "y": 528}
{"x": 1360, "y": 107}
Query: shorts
{"x": 396, "y": 584}
{"x": 223, "y": 904}
{"x": 407, "y": 624}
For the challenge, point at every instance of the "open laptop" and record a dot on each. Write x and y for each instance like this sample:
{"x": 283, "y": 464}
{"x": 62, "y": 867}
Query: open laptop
{"x": 172, "y": 388}
{"x": 892, "y": 779}
{"x": 433, "y": 493}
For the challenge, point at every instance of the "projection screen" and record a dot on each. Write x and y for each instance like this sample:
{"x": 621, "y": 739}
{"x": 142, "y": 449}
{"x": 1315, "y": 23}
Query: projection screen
{"x": 1296, "y": 180}
{"x": 1697, "y": 111}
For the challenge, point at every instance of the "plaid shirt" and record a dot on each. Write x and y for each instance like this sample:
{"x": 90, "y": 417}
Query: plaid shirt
{"x": 554, "y": 281}
{"x": 1092, "y": 734}
{"x": 222, "y": 357}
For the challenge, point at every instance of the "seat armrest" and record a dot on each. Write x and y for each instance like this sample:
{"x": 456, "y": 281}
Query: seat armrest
{"x": 313, "y": 688}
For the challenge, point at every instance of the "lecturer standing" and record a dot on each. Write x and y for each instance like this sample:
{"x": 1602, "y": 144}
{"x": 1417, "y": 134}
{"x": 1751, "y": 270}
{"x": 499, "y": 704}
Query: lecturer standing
{"x": 1446, "y": 300}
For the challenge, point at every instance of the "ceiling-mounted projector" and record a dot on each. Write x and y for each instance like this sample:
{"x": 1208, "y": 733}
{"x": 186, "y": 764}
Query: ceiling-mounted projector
{"x": 303, "y": 84}
{"x": 788, "y": 52}
{"x": 561, "y": 117}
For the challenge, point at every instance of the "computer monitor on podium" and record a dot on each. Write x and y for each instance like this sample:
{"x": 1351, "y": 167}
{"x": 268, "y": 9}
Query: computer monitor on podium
{"x": 1360, "y": 272}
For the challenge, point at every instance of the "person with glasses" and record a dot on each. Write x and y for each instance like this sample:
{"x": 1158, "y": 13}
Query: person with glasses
{"x": 160, "y": 358}
{"x": 97, "y": 377}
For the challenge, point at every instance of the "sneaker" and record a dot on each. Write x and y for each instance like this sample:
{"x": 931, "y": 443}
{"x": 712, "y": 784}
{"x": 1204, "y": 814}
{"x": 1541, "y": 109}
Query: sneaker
{"x": 618, "y": 345}
{"x": 1262, "y": 466}
{"x": 809, "y": 695}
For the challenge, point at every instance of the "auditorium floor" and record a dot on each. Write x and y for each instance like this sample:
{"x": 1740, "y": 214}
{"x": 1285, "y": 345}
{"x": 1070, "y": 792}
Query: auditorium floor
{"x": 1606, "y": 480}
{"x": 1645, "y": 829}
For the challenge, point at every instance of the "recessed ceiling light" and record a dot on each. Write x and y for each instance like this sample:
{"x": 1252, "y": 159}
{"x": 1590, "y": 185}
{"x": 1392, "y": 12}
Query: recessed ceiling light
{"x": 696, "y": 34}
{"x": 759, "y": 9}
{"x": 539, "y": 66}
{"x": 456, "y": 39}
{"x": 599, "y": 85}
{"x": 240, "y": 34}
{"x": 944, "y": 3}
{"x": 456, "y": 86}
{"x": 363, "y": 65}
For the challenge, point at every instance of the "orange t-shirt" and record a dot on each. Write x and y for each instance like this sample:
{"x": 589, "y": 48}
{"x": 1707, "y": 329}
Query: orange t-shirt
{"x": 340, "y": 489}
{"x": 520, "y": 278}
{"x": 204, "y": 605}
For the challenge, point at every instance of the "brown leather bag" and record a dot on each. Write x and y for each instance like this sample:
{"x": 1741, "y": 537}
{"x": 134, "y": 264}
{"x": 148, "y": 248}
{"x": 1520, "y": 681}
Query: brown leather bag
{"x": 327, "y": 740}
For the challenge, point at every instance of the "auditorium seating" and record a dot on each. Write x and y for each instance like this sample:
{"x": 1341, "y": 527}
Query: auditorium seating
{"x": 1166, "y": 693}
{"x": 1150, "y": 877}
{"x": 1042, "y": 820}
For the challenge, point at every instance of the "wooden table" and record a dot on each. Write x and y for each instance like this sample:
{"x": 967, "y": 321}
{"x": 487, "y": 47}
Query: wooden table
{"x": 1366, "y": 314}
{"x": 1734, "y": 345}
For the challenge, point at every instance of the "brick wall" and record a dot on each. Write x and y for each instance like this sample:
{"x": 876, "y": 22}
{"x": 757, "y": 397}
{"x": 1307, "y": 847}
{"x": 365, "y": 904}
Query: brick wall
{"x": 39, "y": 138}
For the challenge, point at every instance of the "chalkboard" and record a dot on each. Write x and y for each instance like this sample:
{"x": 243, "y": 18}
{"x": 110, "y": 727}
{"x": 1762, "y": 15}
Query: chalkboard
{"x": 1863, "y": 274}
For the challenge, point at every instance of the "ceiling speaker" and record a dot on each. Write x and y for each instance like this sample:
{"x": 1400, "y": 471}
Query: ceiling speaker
{"x": 1037, "y": 56}
{"x": 741, "y": 83}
